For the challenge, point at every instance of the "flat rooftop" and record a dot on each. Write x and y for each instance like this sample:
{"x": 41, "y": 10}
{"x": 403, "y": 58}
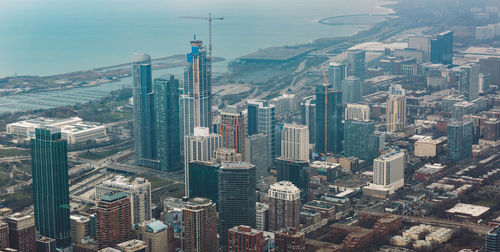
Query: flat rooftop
{"x": 468, "y": 209}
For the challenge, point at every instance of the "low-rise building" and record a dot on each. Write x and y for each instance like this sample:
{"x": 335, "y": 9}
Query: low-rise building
{"x": 468, "y": 212}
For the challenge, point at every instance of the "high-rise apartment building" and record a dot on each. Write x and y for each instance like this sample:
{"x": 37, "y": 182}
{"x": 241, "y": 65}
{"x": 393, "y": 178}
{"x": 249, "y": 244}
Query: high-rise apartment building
{"x": 261, "y": 117}
{"x": 351, "y": 90}
{"x": 199, "y": 147}
{"x": 308, "y": 113}
{"x": 186, "y": 120}
{"x": 422, "y": 43}
{"x": 460, "y": 136}
{"x": 262, "y": 216}
{"x": 204, "y": 180}
{"x": 138, "y": 191}
{"x": 389, "y": 169}
{"x": 113, "y": 219}
{"x": 395, "y": 116}
{"x": 166, "y": 98}
{"x": 290, "y": 240}
{"x": 360, "y": 140}
{"x": 358, "y": 112}
{"x": 222, "y": 155}
{"x": 245, "y": 238}
{"x": 157, "y": 236}
{"x": 297, "y": 172}
{"x": 468, "y": 83}
{"x": 49, "y": 164}
{"x": 21, "y": 232}
{"x": 237, "y": 197}
{"x": 144, "y": 112}
{"x": 356, "y": 63}
{"x": 80, "y": 228}
{"x": 284, "y": 206}
{"x": 295, "y": 142}
{"x": 4, "y": 235}
{"x": 492, "y": 241}
{"x": 257, "y": 153}
{"x": 336, "y": 73}
{"x": 328, "y": 120}
{"x": 199, "y": 226}
{"x": 233, "y": 130}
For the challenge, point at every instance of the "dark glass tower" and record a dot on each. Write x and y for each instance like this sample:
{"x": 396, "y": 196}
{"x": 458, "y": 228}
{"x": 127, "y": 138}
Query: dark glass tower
{"x": 332, "y": 114}
{"x": 351, "y": 90}
{"x": 442, "y": 48}
{"x": 297, "y": 172}
{"x": 166, "y": 97}
{"x": 204, "y": 180}
{"x": 262, "y": 119}
{"x": 144, "y": 115}
{"x": 460, "y": 136}
{"x": 359, "y": 140}
{"x": 49, "y": 162}
{"x": 237, "y": 197}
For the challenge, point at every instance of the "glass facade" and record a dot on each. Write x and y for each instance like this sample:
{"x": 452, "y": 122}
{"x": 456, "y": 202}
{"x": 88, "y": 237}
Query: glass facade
{"x": 332, "y": 114}
{"x": 49, "y": 162}
{"x": 359, "y": 140}
{"x": 460, "y": 136}
{"x": 204, "y": 180}
{"x": 297, "y": 172}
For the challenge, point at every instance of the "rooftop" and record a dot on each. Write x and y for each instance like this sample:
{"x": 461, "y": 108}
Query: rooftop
{"x": 112, "y": 196}
{"x": 156, "y": 226}
{"x": 468, "y": 209}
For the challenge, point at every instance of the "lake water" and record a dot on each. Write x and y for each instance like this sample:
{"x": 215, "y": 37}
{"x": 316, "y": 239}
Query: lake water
{"x": 45, "y": 37}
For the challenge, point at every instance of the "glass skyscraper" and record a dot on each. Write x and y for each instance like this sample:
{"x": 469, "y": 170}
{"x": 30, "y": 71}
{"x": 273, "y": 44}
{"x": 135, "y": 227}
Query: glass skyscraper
{"x": 460, "y": 136}
{"x": 297, "y": 172}
{"x": 329, "y": 110}
{"x": 351, "y": 90}
{"x": 262, "y": 119}
{"x": 359, "y": 140}
{"x": 166, "y": 97}
{"x": 204, "y": 180}
{"x": 336, "y": 73}
{"x": 442, "y": 48}
{"x": 144, "y": 114}
{"x": 49, "y": 162}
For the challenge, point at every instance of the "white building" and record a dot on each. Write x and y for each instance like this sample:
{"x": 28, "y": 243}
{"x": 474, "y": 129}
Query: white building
{"x": 285, "y": 104}
{"x": 199, "y": 146}
{"x": 262, "y": 216}
{"x": 428, "y": 147}
{"x": 388, "y": 174}
{"x": 422, "y": 43}
{"x": 138, "y": 191}
{"x": 295, "y": 142}
{"x": 358, "y": 112}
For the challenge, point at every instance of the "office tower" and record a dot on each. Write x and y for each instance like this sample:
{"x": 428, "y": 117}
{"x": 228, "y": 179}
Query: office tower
{"x": 491, "y": 67}
{"x": 290, "y": 240}
{"x": 233, "y": 130}
{"x": 395, "y": 118}
{"x": 308, "y": 113}
{"x": 359, "y": 140}
{"x": 222, "y": 155}
{"x": 45, "y": 244}
{"x": 295, "y": 142}
{"x": 113, "y": 215}
{"x": 284, "y": 206}
{"x": 277, "y": 147}
{"x": 460, "y": 136}
{"x": 138, "y": 191}
{"x": 144, "y": 114}
{"x": 166, "y": 98}
{"x": 389, "y": 170}
{"x": 328, "y": 134}
{"x": 336, "y": 73}
{"x": 492, "y": 241}
{"x": 356, "y": 63}
{"x": 21, "y": 232}
{"x": 197, "y": 84}
{"x": 245, "y": 238}
{"x": 204, "y": 180}
{"x": 262, "y": 216}
{"x": 351, "y": 90}
{"x": 468, "y": 83}
{"x": 199, "y": 226}
{"x": 49, "y": 164}
{"x": 257, "y": 153}
{"x": 442, "y": 48}
{"x": 296, "y": 172}
{"x": 132, "y": 246}
{"x": 158, "y": 236}
{"x": 358, "y": 112}
{"x": 237, "y": 196}
{"x": 4, "y": 235}
{"x": 261, "y": 118}
{"x": 80, "y": 228}
{"x": 422, "y": 43}
{"x": 199, "y": 147}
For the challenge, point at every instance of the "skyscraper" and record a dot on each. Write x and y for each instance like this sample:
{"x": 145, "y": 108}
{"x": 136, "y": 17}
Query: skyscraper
{"x": 244, "y": 238}
{"x": 389, "y": 170}
{"x": 356, "y": 63}
{"x": 186, "y": 120}
{"x": 395, "y": 118}
{"x": 284, "y": 206}
{"x": 21, "y": 232}
{"x": 308, "y": 113}
{"x": 237, "y": 197}
{"x": 358, "y": 112}
{"x": 197, "y": 84}
{"x": 49, "y": 163}
{"x": 233, "y": 130}
{"x": 442, "y": 48}
{"x": 257, "y": 153}
{"x": 113, "y": 219}
{"x": 422, "y": 43}
{"x": 295, "y": 142}
{"x": 261, "y": 118}
{"x": 468, "y": 83}
{"x": 199, "y": 226}
{"x": 166, "y": 97}
{"x": 199, "y": 147}
{"x": 460, "y": 135}
{"x": 144, "y": 114}
{"x": 204, "y": 180}
{"x": 328, "y": 135}
{"x": 297, "y": 172}
{"x": 359, "y": 140}
{"x": 336, "y": 73}
{"x": 351, "y": 90}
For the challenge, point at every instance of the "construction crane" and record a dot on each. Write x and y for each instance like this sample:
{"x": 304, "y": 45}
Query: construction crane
{"x": 209, "y": 19}
{"x": 326, "y": 108}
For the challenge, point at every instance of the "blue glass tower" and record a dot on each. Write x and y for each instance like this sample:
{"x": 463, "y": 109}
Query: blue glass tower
{"x": 328, "y": 134}
{"x": 460, "y": 136}
{"x": 359, "y": 140}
